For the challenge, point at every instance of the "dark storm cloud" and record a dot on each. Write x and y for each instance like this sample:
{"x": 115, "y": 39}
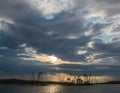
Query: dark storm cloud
{"x": 97, "y": 28}
{"x": 110, "y": 49}
{"x": 90, "y": 69}
{"x": 111, "y": 7}
{"x": 16, "y": 10}
{"x": 8, "y": 41}
{"x": 62, "y": 36}
{"x": 16, "y": 65}
{"x": 67, "y": 49}
{"x": 62, "y": 27}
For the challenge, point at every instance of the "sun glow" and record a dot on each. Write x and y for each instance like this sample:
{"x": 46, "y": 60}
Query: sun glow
{"x": 53, "y": 58}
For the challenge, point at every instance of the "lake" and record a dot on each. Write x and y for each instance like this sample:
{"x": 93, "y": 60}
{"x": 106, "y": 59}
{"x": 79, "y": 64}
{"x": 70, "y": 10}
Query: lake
{"x": 108, "y": 88}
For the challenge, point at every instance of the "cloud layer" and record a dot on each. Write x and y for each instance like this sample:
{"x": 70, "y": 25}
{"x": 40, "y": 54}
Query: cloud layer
{"x": 77, "y": 32}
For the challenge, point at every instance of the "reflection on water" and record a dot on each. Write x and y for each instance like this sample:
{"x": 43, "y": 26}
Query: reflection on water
{"x": 60, "y": 89}
{"x": 30, "y": 89}
{"x": 51, "y": 89}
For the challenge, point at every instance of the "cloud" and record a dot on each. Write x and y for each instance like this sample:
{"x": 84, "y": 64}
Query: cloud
{"x": 89, "y": 69}
{"x": 109, "y": 7}
{"x": 74, "y": 31}
{"x": 54, "y": 6}
{"x": 14, "y": 65}
{"x": 103, "y": 52}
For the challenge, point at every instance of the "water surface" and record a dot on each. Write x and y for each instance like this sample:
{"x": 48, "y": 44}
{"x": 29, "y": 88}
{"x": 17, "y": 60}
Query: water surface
{"x": 110, "y": 88}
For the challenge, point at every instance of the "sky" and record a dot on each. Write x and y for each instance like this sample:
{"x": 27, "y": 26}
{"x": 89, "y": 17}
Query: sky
{"x": 60, "y": 36}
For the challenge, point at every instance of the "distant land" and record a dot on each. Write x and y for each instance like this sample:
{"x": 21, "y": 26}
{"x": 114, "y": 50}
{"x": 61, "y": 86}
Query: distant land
{"x": 44, "y": 83}
{"x": 113, "y": 82}
{"x": 35, "y": 82}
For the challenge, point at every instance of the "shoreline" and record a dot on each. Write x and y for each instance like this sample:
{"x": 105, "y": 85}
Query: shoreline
{"x": 45, "y": 83}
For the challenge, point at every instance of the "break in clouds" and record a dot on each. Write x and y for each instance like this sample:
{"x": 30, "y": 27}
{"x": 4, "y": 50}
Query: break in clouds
{"x": 71, "y": 36}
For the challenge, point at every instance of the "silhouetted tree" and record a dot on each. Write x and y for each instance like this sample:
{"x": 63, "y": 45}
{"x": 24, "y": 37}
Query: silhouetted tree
{"x": 39, "y": 74}
{"x": 68, "y": 79}
{"x": 87, "y": 79}
{"x": 79, "y": 81}
{"x": 33, "y": 77}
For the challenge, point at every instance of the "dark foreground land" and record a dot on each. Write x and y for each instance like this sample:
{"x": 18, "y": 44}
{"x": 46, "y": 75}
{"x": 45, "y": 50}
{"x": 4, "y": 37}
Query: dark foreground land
{"x": 43, "y": 83}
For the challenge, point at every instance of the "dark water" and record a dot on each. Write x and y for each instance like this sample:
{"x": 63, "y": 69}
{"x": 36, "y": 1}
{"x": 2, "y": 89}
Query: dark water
{"x": 60, "y": 89}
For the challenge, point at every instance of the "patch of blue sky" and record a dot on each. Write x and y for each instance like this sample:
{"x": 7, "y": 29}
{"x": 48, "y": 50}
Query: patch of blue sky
{"x": 50, "y": 16}
{"x": 107, "y": 38}
{"x": 92, "y": 19}
{"x": 98, "y": 19}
